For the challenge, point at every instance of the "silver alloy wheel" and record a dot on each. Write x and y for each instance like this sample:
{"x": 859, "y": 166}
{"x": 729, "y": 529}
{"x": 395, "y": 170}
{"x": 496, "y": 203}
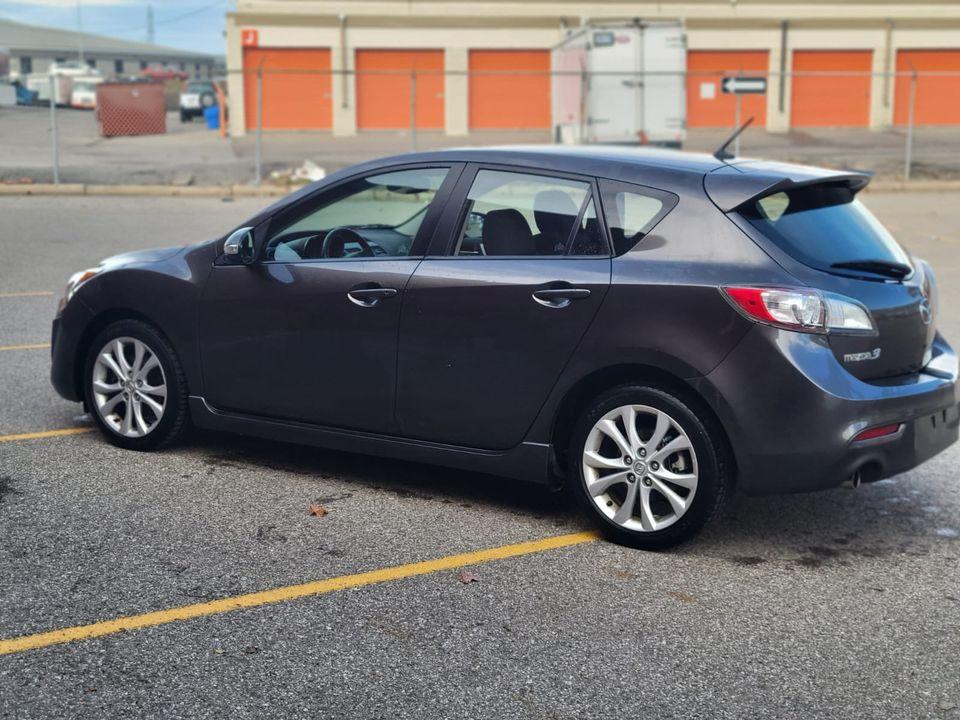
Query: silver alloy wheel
{"x": 129, "y": 387}
{"x": 640, "y": 468}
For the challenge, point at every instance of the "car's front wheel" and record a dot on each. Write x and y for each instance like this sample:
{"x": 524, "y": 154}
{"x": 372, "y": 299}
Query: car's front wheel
{"x": 647, "y": 466}
{"x": 134, "y": 386}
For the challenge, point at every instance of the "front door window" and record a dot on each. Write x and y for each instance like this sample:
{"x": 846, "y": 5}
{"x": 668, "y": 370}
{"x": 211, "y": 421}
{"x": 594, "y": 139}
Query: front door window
{"x": 374, "y": 216}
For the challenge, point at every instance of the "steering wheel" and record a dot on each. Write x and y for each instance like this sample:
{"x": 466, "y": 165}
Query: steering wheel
{"x": 334, "y": 243}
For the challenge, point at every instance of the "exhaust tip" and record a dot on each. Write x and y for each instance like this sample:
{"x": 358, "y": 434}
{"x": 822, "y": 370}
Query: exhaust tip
{"x": 856, "y": 479}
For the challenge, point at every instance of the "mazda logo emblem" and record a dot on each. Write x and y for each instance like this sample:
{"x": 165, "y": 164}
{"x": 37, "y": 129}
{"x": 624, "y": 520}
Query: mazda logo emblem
{"x": 926, "y": 314}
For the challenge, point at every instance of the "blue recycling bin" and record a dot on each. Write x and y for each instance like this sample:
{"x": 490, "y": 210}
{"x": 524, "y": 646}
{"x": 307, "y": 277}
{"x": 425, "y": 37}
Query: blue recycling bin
{"x": 212, "y": 117}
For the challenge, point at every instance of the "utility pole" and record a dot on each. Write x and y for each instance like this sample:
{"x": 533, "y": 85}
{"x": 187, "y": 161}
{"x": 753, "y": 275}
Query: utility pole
{"x": 80, "y": 32}
{"x": 150, "y": 23}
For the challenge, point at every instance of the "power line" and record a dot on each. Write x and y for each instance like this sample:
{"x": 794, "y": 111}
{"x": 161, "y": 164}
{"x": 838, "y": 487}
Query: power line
{"x": 176, "y": 18}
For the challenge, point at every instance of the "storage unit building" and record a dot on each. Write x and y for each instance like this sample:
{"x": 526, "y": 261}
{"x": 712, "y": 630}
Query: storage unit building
{"x": 827, "y": 63}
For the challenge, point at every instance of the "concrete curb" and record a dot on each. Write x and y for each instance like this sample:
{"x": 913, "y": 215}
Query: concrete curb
{"x": 218, "y": 191}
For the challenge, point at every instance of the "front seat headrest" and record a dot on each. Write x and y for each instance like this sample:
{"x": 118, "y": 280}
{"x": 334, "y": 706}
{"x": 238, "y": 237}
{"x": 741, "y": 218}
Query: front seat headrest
{"x": 555, "y": 213}
{"x": 506, "y": 232}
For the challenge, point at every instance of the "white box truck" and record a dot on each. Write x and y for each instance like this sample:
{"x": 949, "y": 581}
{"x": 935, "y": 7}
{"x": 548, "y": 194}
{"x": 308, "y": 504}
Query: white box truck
{"x": 59, "y": 78}
{"x": 621, "y": 83}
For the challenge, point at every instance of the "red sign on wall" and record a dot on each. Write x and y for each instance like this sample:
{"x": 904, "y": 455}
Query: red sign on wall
{"x": 249, "y": 38}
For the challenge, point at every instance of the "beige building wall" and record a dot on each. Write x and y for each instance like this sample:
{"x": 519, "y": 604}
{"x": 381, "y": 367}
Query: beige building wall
{"x": 456, "y": 26}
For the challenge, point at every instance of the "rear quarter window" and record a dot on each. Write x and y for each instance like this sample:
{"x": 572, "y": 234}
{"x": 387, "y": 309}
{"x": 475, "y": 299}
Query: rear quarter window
{"x": 632, "y": 211}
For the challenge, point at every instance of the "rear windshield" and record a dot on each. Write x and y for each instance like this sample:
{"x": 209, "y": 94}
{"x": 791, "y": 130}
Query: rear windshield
{"x": 823, "y": 225}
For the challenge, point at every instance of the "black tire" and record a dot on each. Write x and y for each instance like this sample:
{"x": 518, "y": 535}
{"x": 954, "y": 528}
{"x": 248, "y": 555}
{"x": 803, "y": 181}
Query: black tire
{"x": 184, "y": 117}
{"x": 174, "y": 420}
{"x": 713, "y": 477}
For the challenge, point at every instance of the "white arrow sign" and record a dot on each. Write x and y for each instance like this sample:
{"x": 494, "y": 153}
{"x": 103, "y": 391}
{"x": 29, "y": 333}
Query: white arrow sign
{"x": 742, "y": 85}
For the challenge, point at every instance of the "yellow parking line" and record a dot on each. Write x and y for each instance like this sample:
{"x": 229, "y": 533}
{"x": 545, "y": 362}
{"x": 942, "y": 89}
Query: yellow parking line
{"x": 284, "y": 594}
{"x": 44, "y": 434}
{"x": 28, "y": 346}
{"x": 38, "y": 293}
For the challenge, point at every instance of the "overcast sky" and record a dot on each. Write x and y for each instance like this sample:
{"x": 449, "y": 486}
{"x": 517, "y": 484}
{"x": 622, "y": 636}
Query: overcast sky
{"x": 188, "y": 24}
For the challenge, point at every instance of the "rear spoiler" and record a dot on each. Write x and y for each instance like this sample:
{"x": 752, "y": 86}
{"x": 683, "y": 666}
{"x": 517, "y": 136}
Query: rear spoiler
{"x": 733, "y": 185}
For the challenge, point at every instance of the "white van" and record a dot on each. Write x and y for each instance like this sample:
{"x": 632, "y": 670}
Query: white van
{"x": 63, "y": 75}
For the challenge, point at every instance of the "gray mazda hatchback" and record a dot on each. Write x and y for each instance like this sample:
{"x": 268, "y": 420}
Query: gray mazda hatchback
{"x": 654, "y": 327}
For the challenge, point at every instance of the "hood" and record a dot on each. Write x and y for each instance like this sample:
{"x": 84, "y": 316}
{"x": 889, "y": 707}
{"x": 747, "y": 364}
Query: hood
{"x": 141, "y": 257}
{"x": 734, "y": 184}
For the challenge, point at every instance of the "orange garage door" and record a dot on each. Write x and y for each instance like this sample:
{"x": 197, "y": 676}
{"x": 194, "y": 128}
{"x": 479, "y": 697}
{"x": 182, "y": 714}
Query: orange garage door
{"x": 295, "y": 98}
{"x": 937, "y": 97}
{"x": 707, "y": 106}
{"x": 518, "y": 101}
{"x": 383, "y": 89}
{"x": 835, "y": 100}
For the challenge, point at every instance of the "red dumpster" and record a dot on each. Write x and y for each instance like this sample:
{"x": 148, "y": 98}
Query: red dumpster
{"x": 131, "y": 109}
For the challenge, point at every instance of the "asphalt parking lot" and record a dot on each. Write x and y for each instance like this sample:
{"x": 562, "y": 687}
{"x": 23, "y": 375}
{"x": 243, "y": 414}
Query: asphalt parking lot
{"x": 833, "y": 605}
{"x": 188, "y": 153}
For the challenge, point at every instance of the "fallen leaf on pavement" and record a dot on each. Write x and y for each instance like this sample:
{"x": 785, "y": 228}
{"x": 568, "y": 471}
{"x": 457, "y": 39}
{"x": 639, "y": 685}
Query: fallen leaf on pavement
{"x": 681, "y": 597}
{"x": 467, "y": 577}
{"x": 318, "y": 510}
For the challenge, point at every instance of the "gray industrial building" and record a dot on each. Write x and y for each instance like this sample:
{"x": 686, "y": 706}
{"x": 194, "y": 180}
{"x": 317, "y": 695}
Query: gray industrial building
{"x": 33, "y": 48}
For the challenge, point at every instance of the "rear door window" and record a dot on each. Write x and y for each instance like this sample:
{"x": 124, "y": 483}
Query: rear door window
{"x": 521, "y": 214}
{"x": 824, "y": 226}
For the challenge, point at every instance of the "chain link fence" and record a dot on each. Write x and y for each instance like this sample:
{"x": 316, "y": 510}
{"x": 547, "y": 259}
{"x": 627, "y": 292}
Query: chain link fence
{"x": 292, "y": 125}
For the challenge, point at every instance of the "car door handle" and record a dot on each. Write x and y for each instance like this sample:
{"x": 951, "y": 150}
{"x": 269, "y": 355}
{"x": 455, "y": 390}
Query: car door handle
{"x": 559, "y": 297}
{"x": 370, "y": 296}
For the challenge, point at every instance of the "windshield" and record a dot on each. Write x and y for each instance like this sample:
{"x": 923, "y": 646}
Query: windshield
{"x": 824, "y": 226}
{"x": 196, "y": 87}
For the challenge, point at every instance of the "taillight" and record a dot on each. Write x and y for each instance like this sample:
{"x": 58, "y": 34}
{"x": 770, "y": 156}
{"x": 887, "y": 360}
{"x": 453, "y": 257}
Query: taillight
{"x": 930, "y": 293}
{"x": 800, "y": 309}
{"x": 877, "y": 432}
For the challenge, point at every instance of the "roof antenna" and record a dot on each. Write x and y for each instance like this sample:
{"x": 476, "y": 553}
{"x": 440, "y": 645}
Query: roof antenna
{"x": 722, "y": 153}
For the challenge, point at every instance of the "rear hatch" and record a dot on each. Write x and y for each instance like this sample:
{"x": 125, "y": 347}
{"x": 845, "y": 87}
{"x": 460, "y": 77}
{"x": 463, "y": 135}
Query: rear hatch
{"x": 811, "y": 222}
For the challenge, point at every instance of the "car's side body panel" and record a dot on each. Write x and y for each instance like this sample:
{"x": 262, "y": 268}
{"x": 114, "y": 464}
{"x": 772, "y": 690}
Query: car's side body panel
{"x": 657, "y": 306}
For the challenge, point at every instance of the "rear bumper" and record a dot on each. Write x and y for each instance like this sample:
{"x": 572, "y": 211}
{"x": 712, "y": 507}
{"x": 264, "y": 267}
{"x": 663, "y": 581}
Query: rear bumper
{"x": 792, "y": 411}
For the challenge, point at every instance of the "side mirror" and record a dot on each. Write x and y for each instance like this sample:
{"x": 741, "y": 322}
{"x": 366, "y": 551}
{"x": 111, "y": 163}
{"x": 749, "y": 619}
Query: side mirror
{"x": 240, "y": 244}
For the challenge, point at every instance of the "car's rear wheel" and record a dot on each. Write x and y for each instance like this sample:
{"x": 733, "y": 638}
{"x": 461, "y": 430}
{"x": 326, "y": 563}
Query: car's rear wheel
{"x": 134, "y": 386}
{"x": 647, "y": 467}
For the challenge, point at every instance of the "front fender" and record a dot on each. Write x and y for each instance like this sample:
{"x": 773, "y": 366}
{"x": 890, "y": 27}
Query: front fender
{"x": 165, "y": 293}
